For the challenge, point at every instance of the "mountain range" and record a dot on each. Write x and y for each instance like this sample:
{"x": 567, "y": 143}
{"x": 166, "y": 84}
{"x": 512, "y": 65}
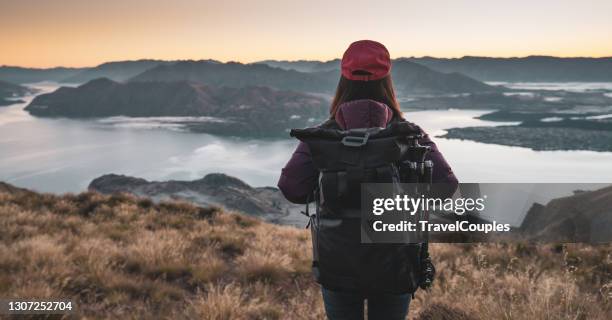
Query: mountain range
{"x": 238, "y": 75}
{"x": 409, "y": 78}
{"x": 118, "y": 71}
{"x": 519, "y": 69}
{"x": 242, "y": 99}
{"x": 304, "y": 65}
{"x": 523, "y": 69}
{"x": 30, "y": 75}
{"x": 267, "y": 98}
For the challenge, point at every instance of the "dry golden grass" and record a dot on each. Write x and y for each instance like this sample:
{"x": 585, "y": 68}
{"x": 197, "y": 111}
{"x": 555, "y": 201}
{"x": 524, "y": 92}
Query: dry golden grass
{"x": 124, "y": 257}
{"x": 518, "y": 281}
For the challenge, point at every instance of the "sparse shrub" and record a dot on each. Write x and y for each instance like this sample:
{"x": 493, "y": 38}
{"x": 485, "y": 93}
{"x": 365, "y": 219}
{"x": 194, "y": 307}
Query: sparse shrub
{"x": 177, "y": 207}
{"x": 207, "y": 212}
{"x": 263, "y": 266}
{"x": 220, "y": 303}
{"x": 209, "y": 271}
{"x": 145, "y": 203}
{"x": 230, "y": 243}
{"x": 244, "y": 221}
{"x": 120, "y": 198}
{"x": 119, "y": 232}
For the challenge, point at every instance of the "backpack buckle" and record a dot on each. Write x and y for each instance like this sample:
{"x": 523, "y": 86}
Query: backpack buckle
{"x": 352, "y": 140}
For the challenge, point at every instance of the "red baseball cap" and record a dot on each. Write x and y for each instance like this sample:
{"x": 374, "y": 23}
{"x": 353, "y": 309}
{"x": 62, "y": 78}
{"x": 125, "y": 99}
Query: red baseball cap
{"x": 366, "y": 60}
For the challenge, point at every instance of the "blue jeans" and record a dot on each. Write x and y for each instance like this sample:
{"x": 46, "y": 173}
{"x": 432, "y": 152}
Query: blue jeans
{"x": 340, "y": 305}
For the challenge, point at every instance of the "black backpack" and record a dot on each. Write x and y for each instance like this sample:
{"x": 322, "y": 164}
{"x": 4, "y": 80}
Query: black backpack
{"x": 345, "y": 159}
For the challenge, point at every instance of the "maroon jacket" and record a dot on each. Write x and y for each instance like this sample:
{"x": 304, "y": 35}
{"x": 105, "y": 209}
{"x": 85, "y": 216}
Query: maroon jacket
{"x": 299, "y": 176}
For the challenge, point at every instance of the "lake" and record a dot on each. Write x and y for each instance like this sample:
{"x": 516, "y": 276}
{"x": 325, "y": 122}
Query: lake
{"x": 62, "y": 155}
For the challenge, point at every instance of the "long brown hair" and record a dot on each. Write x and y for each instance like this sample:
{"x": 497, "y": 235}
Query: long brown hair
{"x": 377, "y": 90}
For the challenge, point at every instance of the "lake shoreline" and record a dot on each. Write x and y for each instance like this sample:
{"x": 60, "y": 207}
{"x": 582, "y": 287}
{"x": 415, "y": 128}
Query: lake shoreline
{"x": 65, "y": 155}
{"x": 536, "y": 138}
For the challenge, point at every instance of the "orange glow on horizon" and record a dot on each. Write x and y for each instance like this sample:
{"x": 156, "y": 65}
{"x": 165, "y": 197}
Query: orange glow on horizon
{"x": 74, "y": 33}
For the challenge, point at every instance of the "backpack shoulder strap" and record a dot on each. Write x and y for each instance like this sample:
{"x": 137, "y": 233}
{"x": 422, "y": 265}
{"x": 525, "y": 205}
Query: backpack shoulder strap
{"x": 329, "y": 124}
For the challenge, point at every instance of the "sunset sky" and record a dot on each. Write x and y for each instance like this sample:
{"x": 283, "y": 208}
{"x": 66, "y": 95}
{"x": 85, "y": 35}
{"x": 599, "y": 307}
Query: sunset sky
{"x": 44, "y": 33}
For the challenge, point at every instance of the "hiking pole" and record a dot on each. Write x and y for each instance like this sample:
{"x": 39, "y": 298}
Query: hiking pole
{"x": 428, "y": 174}
{"x": 425, "y": 181}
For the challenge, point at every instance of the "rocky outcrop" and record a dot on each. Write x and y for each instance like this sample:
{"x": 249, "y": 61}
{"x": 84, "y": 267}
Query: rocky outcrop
{"x": 11, "y": 189}
{"x": 213, "y": 189}
{"x": 585, "y": 216}
{"x": 252, "y": 111}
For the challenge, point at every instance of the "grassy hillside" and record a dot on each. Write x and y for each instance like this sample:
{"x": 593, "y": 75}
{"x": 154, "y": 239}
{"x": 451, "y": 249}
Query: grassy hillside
{"x": 125, "y": 257}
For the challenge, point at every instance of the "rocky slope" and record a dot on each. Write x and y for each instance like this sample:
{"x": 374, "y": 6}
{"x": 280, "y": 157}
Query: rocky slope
{"x": 214, "y": 189}
{"x": 584, "y": 217}
{"x": 251, "y": 111}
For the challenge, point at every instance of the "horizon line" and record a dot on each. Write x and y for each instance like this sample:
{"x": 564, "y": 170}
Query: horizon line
{"x": 301, "y": 60}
